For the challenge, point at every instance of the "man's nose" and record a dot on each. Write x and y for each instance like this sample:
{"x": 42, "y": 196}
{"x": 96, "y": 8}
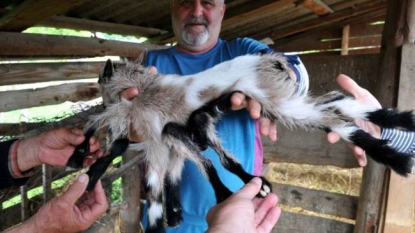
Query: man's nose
{"x": 197, "y": 9}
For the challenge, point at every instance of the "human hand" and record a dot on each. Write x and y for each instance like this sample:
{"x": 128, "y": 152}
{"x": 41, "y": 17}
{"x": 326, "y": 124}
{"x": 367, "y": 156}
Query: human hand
{"x": 130, "y": 94}
{"x": 244, "y": 212}
{"x": 365, "y": 97}
{"x": 53, "y": 147}
{"x": 73, "y": 211}
{"x": 266, "y": 127}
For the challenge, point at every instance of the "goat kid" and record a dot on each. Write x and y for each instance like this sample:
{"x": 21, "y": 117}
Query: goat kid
{"x": 180, "y": 126}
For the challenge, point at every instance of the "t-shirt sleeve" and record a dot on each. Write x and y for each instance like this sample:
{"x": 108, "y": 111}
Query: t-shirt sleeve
{"x": 9, "y": 176}
{"x": 402, "y": 141}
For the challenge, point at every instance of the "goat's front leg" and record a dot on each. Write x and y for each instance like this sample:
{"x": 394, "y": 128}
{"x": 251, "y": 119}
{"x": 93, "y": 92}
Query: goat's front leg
{"x": 76, "y": 161}
{"x": 96, "y": 170}
{"x": 172, "y": 190}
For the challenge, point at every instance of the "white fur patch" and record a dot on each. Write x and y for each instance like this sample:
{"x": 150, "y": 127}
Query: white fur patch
{"x": 154, "y": 212}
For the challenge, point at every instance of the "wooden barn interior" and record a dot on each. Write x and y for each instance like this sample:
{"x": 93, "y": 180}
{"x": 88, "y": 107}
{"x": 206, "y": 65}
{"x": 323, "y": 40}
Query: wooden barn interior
{"x": 371, "y": 41}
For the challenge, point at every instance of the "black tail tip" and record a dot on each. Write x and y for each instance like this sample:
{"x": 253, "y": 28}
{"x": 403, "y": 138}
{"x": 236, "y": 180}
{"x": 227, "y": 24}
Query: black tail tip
{"x": 404, "y": 167}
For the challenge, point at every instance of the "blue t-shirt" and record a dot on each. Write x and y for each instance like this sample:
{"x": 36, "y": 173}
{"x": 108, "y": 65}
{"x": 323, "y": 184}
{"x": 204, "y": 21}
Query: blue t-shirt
{"x": 236, "y": 129}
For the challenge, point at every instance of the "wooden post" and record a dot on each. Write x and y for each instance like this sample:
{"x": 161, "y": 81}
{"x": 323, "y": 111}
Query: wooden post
{"x": 131, "y": 183}
{"x": 345, "y": 40}
{"x": 24, "y": 205}
{"x": 400, "y": 200}
{"x": 373, "y": 184}
{"x": 46, "y": 183}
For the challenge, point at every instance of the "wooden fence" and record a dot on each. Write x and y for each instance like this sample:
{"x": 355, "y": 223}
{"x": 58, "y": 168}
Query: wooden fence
{"x": 293, "y": 147}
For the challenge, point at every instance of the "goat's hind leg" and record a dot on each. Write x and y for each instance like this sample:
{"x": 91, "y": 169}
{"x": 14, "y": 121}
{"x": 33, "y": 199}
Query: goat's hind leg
{"x": 342, "y": 110}
{"x": 172, "y": 190}
{"x": 202, "y": 128}
{"x": 178, "y": 140}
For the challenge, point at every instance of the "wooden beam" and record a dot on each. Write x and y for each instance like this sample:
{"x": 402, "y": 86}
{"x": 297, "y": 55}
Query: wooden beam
{"x": 297, "y": 222}
{"x": 345, "y": 40}
{"x": 318, "y": 201}
{"x": 362, "y": 9}
{"x": 361, "y": 18}
{"x": 374, "y": 176}
{"x": 317, "y": 6}
{"x": 11, "y": 74}
{"x": 22, "y": 44}
{"x": 97, "y": 26}
{"x": 74, "y": 92}
{"x": 399, "y": 212}
{"x": 31, "y": 12}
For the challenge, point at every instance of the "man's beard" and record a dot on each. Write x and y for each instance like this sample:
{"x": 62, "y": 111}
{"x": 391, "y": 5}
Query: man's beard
{"x": 198, "y": 38}
{"x": 195, "y": 40}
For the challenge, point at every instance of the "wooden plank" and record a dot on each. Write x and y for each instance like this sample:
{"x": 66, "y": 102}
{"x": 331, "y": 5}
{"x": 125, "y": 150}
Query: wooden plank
{"x": 307, "y": 147}
{"x": 97, "y": 26}
{"x": 291, "y": 222}
{"x": 318, "y": 22}
{"x": 131, "y": 183}
{"x": 30, "y": 12}
{"x": 400, "y": 205}
{"x": 317, "y": 6}
{"x": 74, "y": 92}
{"x": 345, "y": 40}
{"x": 22, "y": 44}
{"x": 318, "y": 201}
{"x": 326, "y": 27}
{"x": 44, "y": 72}
{"x": 370, "y": 203}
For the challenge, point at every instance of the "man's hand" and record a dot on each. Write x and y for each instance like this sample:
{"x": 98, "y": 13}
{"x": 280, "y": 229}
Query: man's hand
{"x": 54, "y": 148}
{"x": 130, "y": 94}
{"x": 62, "y": 214}
{"x": 364, "y": 97}
{"x": 73, "y": 211}
{"x": 243, "y": 212}
{"x": 267, "y": 128}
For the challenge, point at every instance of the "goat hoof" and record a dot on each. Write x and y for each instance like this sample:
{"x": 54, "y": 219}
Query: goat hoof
{"x": 265, "y": 189}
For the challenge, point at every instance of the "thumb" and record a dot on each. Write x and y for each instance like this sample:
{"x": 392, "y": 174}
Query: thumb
{"x": 73, "y": 137}
{"x": 76, "y": 190}
{"x": 251, "y": 189}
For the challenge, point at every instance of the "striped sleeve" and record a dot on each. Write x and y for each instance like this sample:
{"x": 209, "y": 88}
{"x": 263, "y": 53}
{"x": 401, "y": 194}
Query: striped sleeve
{"x": 402, "y": 141}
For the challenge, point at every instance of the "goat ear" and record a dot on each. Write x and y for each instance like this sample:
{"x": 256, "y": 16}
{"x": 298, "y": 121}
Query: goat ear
{"x": 107, "y": 72}
{"x": 141, "y": 58}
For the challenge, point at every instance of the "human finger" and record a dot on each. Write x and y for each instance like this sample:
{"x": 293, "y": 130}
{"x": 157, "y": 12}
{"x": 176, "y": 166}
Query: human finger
{"x": 254, "y": 108}
{"x": 271, "y": 218}
{"x": 238, "y": 101}
{"x": 264, "y": 206}
{"x": 273, "y": 131}
{"x": 360, "y": 155}
{"x": 333, "y": 137}
{"x": 129, "y": 93}
{"x": 251, "y": 189}
{"x": 152, "y": 70}
{"x": 76, "y": 190}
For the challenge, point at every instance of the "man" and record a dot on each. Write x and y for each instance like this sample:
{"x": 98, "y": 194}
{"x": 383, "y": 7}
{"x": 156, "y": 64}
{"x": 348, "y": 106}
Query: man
{"x": 196, "y": 24}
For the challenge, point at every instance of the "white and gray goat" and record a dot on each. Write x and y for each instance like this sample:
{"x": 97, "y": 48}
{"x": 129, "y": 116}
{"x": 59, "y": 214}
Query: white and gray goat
{"x": 176, "y": 116}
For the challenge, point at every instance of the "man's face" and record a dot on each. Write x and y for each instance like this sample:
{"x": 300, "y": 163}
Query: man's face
{"x": 197, "y": 22}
